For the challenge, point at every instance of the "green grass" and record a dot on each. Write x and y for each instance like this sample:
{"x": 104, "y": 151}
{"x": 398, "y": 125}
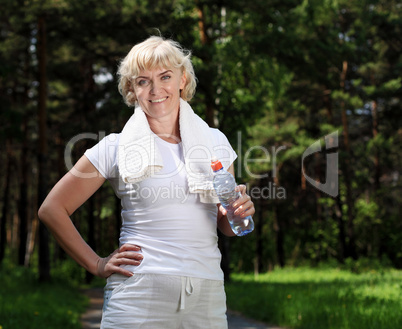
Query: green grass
{"x": 320, "y": 298}
{"x": 25, "y": 303}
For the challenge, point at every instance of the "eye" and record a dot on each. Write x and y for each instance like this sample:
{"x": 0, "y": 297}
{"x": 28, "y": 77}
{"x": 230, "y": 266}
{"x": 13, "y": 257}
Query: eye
{"x": 166, "y": 77}
{"x": 142, "y": 82}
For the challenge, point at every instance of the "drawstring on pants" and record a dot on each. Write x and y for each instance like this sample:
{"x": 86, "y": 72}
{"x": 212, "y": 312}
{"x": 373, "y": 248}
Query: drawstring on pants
{"x": 186, "y": 289}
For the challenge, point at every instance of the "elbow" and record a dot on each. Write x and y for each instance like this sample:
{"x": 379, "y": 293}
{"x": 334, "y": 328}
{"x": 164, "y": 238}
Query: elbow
{"x": 50, "y": 211}
{"x": 43, "y": 213}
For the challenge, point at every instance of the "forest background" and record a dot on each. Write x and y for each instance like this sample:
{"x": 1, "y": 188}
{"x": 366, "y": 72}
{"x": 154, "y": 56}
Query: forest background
{"x": 275, "y": 76}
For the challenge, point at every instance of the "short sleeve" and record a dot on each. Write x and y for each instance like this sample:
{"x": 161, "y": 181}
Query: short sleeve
{"x": 222, "y": 149}
{"x": 104, "y": 156}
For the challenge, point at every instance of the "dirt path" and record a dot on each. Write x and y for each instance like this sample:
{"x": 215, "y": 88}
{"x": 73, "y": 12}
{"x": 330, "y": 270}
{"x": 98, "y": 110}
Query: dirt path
{"x": 92, "y": 317}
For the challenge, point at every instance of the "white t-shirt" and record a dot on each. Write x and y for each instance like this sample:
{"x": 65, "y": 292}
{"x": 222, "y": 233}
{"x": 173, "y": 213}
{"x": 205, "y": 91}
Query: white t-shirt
{"x": 176, "y": 232}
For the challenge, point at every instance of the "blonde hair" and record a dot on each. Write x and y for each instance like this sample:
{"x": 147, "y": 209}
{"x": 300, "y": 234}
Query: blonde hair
{"x": 155, "y": 52}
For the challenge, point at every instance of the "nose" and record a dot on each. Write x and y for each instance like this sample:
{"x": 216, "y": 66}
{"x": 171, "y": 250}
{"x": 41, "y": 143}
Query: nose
{"x": 155, "y": 88}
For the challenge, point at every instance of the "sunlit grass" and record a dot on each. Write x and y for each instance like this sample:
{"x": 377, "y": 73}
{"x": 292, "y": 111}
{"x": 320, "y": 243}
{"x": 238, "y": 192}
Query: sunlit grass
{"x": 320, "y": 298}
{"x": 24, "y": 303}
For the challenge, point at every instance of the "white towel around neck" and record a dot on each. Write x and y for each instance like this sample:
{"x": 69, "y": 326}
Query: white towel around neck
{"x": 139, "y": 157}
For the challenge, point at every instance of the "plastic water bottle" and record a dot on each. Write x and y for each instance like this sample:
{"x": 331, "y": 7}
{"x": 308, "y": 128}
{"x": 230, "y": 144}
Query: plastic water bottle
{"x": 225, "y": 184}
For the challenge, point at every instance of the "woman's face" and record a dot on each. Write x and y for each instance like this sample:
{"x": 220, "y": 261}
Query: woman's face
{"x": 158, "y": 91}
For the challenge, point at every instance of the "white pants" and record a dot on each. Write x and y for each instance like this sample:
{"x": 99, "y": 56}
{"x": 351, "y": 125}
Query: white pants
{"x": 155, "y": 301}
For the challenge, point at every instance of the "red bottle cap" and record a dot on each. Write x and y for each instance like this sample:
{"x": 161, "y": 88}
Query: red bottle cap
{"x": 216, "y": 164}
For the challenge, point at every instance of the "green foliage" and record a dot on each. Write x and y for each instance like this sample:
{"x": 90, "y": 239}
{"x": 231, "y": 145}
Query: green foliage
{"x": 69, "y": 270}
{"x": 279, "y": 74}
{"x": 366, "y": 265}
{"x": 27, "y": 304}
{"x": 320, "y": 298}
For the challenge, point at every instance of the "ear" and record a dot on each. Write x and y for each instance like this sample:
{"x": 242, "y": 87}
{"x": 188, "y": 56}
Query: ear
{"x": 132, "y": 91}
{"x": 183, "y": 80}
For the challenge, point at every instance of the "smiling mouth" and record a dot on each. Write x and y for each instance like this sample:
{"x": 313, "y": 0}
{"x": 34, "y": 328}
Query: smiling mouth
{"x": 158, "y": 100}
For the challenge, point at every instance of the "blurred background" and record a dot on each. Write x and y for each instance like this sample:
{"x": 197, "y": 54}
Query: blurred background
{"x": 274, "y": 76}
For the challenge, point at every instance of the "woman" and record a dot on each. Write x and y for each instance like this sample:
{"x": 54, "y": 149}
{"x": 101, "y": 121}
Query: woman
{"x": 166, "y": 272}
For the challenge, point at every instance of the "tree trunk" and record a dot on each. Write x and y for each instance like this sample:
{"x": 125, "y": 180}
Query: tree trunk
{"x": 5, "y": 210}
{"x": 205, "y": 41}
{"x": 341, "y": 227}
{"x": 377, "y": 171}
{"x": 351, "y": 246}
{"x": 258, "y": 232}
{"x": 377, "y": 175}
{"x": 279, "y": 239}
{"x": 32, "y": 230}
{"x": 23, "y": 202}
{"x": 44, "y": 259}
{"x": 279, "y": 230}
{"x": 338, "y": 213}
{"x": 318, "y": 207}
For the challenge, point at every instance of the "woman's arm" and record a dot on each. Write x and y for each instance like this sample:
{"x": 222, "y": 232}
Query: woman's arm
{"x": 244, "y": 207}
{"x": 68, "y": 195}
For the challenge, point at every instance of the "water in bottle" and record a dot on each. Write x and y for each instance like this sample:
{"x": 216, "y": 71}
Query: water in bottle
{"x": 225, "y": 184}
